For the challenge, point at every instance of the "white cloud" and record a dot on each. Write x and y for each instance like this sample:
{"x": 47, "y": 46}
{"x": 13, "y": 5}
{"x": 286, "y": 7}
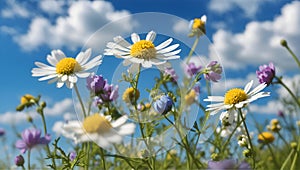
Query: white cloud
{"x": 249, "y": 7}
{"x": 8, "y": 30}
{"x": 260, "y": 42}
{"x": 72, "y": 31}
{"x": 272, "y": 107}
{"x": 181, "y": 27}
{"x": 52, "y": 7}
{"x": 15, "y": 9}
{"x": 62, "y": 107}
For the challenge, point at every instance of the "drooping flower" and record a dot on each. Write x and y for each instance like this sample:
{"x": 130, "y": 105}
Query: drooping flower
{"x": 191, "y": 69}
{"x": 213, "y": 71}
{"x": 266, "y": 73}
{"x": 2, "y": 132}
{"x": 143, "y": 52}
{"x": 64, "y": 69}
{"x": 131, "y": 95}
{"x": 266, "y": 137}
{"x": 26, "y": 101}
{"x": 96, "y": 83}
{"x": 192, "y": 96}
{"x": 163, "y": 105}
{"x": 236, "y": 98}
{"x": 197, "y": 26}
{"x": 19, "y": 160}
{"x": 98, "y": 128}
{"x": 30, "y": 139}
{"x": 274, "y": 125}
{"x": 171, "y": 72}
{"x": 228, "y": 164}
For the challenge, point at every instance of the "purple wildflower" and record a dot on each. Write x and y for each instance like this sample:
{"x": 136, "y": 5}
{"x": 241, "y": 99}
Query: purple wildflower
{"x": 280, "y": 113}
{"x": 191, "y": 69}
{"x": 228, "y": 164}
{"x": 2, "y": 132}
{"x": 72, "y": 155}
{"x": 95, "y": 83}
{"x": 266, "y": 73}
{"x": 171, "y": 72}
{"x": 163, "y": 105}
{"x": 213, "y": 71}
{"x": 19, "y": 160}
{"x": 31, "y": 138}
{"x": 110, "y": 93}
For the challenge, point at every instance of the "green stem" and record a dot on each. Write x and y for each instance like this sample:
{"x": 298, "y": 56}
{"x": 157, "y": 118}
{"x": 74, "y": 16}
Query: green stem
{"x": 296, "y": 156}
{"x": 193, "y": 49}
{"x": 28, "y": 159}
{"x": 80, "y": 100}
{"x": 102, "y": 158}
{"x": 287, "y": 159}
{"x": 280, "y": 136}
{"x": 248, "y": 136}
{"x": 232, "y": 133}
{"x": 293, "y": 55}
{"x": 273, "y": 155}
{"x": 289, "y": 90}
{"x": 87, "y": 161}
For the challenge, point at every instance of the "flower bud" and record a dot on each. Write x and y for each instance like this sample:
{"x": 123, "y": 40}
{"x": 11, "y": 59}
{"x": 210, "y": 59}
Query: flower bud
{"x": 283, "y": 43}
{"x": 19, "y": 160}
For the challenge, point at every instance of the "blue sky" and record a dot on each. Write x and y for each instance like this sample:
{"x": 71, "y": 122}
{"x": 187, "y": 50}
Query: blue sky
{"x": 245, "y": 34}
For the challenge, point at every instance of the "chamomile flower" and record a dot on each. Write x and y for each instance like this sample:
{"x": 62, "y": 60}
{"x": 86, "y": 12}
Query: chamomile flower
{"x": 197, "y": 26}
{"x": 98, "y": 128}
{"x": 143, "y": 52}
{"x": 236, "y": 98}
{"x": 64, "y": 69}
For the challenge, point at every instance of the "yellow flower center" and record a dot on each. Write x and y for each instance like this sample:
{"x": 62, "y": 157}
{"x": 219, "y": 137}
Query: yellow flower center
{"x": 235, "y": 96}
{"x": 26, "y": 98}
{"x": 190, "y": 97}
{"x": 143, "y": 49}
{"x": 198, "y": 23}
{"x": 96, "y": 124}
{"x": 266, "y": 137}
{"x": 130, "y": 95}
{"x": 67, "y": 66}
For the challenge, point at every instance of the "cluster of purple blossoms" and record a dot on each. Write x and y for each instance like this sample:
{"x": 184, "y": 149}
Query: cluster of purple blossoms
{"x": 266, "y": 73}
{"x": 103, "y": 91}
{"x": 171, "y": 72}
{"x": 191, "y": 69}
{"x": 30, "y": 139}
{"x": 228, "y": 164}
{"x": 213, "y": 71}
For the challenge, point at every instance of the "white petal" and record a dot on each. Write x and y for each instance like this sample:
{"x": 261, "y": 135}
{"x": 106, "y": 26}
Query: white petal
{"x": 163, "y": 57}
{"x": 204, "y": 18}
{"x": 119, "y": 121}
{"x": 214, "y": 99}
{"x": 121, "y": 41}
{"x": 133, "y": 68}
{"x": 72, "y": 79}
{"x": 248, "y": 86}
{"x": 136, "y": 60}
{"x": 147, "y": 64}
{"x": 171, "y": 53}
{"x": 157, "y": 62}
{"x": 257, "y": 89}
{"x": 52, "y": 60}
{"x": 112, "y": 136}
{"x": 151, "y": 36}
{"x": 126, "y": 62}
{"x": 164, "y": 44}
{"x": 112, "y": 45}
{"x": 135, "y": 38}
{"x": 83, "y": 74}
{"x": 92, "y": 63}
{"x": 59, "y": 84}
{"x": 64, "y": 78}
{"x": 47, "y": 77}
{"x": 83, "y": 57}
{"x": 53, "y": 80}
{"x": 102, "y": 142}
{"x": 127, "y": 129}
{"x": 168, "y": 49}
{"x": 44, "y": 66}
{"x": 58, "y": 54}
{"x": 215, "y": 105}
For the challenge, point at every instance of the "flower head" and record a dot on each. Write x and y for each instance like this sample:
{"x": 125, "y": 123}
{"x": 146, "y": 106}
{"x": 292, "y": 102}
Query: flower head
{"x": 31, "y": 138}
{"x": 19, "y": 160}
{"x": 65, "y": 69}
{"x": 98, "y": 128}
{"x": 236, "y": 98}
{"x": 163, "y": 105}
{"x": 213, "y": 71}
{"x": 131, "y": 95}
{"x": 266, "y": 73}
{"x": 192, "y": 96}
{"x": 197, "y": 26}
{"x": 191, "y": 69}
{"x": 143, "y": 52}
{"x": 228, "y": 164}
{"x": 171, "y": 73}
{"x": 2, "y": 132}
{"x": 266, "y": 137}
{"x": 95, "y": 83}
{"x": 26, "y": 101}
{"x": 110, "y": 93}
{"x": 72, "y": 155}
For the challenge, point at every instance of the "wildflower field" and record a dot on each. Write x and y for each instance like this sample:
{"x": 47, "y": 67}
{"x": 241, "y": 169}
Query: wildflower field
{"x": 148, "y": 98}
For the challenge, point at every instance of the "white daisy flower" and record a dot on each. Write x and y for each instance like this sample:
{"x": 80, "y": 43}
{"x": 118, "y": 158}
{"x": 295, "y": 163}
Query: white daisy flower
{"x": 143, "y": 52}
{"x": 197, "y": 26}
{"x": 236, "y": 98}
{"x": 99, "y": 129}
{"x": 64, "y": 69}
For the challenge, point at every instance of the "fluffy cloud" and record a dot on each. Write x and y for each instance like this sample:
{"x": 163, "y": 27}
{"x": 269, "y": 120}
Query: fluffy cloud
{"x": 62, "y": 107}
{"x": 14, "y": 9}
{"x": 260, "y": 42}
{"x": 82, "y": 20}
{"x": 181, "y": 27}
{"x": 249, "y": 7}
{"x": 52, "y": 7}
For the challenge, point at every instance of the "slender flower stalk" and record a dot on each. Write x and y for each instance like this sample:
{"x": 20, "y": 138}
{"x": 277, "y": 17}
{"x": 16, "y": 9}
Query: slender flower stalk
{"x": 285, "y": 44}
